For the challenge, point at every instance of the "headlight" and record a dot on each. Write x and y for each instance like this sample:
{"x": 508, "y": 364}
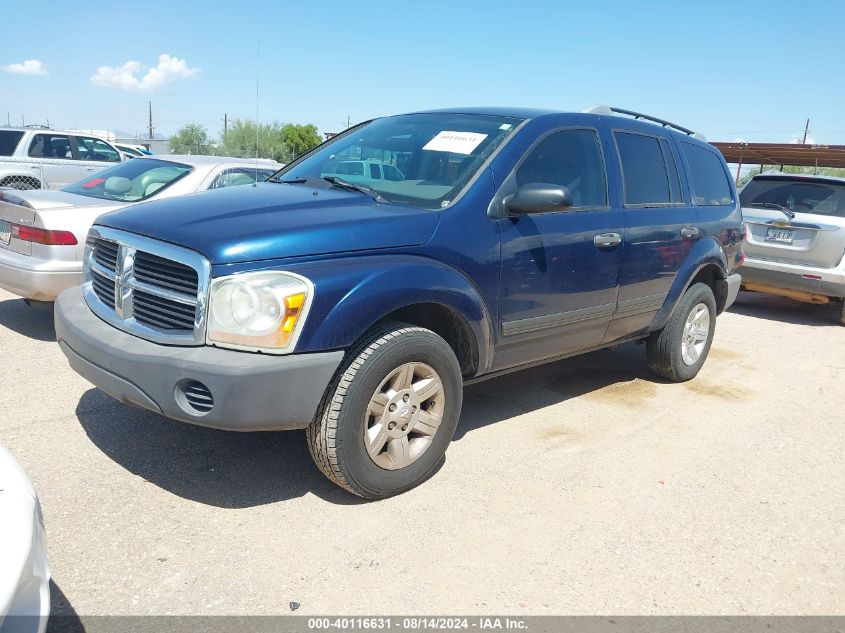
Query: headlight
{"x": 262, "y": 311}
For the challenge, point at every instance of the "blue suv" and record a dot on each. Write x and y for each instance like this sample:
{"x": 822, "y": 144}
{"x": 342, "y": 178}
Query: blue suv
{"x": 357, "y": 307}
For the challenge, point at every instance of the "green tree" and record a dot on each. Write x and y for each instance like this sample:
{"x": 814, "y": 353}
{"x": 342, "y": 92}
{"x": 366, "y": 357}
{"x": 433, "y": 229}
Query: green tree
{"x": 248, "y": 139}
{"x": 191, "y": 139}
{"x": 300, "y": 138}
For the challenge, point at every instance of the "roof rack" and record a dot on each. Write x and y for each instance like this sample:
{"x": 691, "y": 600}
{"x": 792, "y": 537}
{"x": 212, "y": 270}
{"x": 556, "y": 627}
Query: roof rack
{"x": 609, "y": 110}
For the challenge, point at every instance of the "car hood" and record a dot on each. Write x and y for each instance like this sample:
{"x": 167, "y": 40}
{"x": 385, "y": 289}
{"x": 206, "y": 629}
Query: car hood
{"x": 274, "y": 221}
{"x": 47, "y": 199}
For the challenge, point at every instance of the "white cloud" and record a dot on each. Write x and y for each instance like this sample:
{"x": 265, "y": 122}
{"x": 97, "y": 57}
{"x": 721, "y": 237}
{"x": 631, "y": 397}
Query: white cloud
{"x": 126, "y": 77}
{"x": 799, "y": 139}
{"x": 28, "y": 67}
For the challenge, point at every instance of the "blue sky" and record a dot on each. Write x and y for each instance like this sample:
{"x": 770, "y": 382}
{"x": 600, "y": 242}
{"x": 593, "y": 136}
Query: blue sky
{"x": 742, "y": 69}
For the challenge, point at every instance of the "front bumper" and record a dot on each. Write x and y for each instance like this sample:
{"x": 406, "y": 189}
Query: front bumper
{"x": 822, "y": 281}
{"x": 32, "y": 279}
{"x": 251, "y": 392}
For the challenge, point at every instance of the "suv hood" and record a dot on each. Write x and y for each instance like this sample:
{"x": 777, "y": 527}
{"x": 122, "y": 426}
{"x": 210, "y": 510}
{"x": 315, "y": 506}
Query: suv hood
{"x": 274, "y": 221}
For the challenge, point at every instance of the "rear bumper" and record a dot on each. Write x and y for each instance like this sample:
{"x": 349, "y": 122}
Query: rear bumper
{"x": 823, "y": 281}
{"x": 733, "y": 282}
{"x": 251, "y": 392}
{"x": 31, "y": 279}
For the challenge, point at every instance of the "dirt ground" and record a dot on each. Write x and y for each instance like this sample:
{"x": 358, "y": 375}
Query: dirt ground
{"x": 585, "y": 486}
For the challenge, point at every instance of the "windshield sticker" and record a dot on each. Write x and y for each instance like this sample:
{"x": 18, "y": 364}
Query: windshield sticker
{"x": 93, "y": 183}
{"x": 455, "y": 142}
{"x": 505, "y": 126}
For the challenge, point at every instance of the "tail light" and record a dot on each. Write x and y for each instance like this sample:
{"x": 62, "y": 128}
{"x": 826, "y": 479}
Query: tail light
{"x": 43, "y": 236}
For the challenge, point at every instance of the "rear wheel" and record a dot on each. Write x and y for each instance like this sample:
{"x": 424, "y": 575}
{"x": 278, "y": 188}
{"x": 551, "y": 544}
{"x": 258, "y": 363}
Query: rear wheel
{"x": 390, "y": 412}
{"x": 678, "y": 351}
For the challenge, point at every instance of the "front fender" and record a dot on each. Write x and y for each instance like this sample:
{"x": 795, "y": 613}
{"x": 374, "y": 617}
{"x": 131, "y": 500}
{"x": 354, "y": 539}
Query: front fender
{"x": 705, "y": 252}
{"x": 352, "y": 294}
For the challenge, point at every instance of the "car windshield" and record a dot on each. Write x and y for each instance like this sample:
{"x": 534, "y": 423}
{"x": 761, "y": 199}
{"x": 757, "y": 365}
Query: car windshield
{"x": 798, "y": 195}
{"x": 423, "y": 160}
{"x": 131, "y": 181}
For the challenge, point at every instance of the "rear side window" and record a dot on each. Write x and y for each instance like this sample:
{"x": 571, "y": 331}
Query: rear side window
{"x": 374, "y": 172}
{"x": 9, "y": 140}
{"x": 570, "y": 158}
{"x": 350, "y": 168}
{"x": 709, "y": 179}
{"x": 50, "y": 146}
{"x": 644, "y": 170}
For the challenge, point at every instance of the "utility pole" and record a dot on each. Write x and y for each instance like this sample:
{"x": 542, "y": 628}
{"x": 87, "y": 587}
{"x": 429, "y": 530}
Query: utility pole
{"x": 225, "y": 125}
{"x": 347, "y": 121}
{"x": 806, "y": 129}
{"x": 150, "y": 123}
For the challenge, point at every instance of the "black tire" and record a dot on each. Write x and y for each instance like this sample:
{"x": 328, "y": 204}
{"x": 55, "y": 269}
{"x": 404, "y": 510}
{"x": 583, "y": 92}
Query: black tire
{"x": 663, "y": 348}
{"x": 336, "y": 436}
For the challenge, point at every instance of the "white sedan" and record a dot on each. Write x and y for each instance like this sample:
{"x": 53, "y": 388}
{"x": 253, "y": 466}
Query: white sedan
{"x": 42, "y": 233}
{"x": 24, "y": 571}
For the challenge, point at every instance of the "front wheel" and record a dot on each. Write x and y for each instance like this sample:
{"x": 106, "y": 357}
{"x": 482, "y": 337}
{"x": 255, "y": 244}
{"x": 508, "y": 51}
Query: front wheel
{"x": 390, "y": 412}
{"x": 678, "y": 351}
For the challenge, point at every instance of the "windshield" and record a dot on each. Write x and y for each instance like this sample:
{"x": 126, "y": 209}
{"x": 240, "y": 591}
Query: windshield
{"x": 799, "y": 196}
{"x": 131, "y": 181}
{"x": 423, "y": 160}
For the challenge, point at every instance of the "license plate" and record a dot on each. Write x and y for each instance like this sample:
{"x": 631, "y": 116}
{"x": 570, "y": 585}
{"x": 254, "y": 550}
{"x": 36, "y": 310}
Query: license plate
{"x": 5, "y": 232}
{"x": 779, "y": 235}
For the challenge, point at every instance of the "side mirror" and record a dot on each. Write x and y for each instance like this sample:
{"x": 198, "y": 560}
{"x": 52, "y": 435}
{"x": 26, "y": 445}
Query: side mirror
{"x": 540, "y": 197}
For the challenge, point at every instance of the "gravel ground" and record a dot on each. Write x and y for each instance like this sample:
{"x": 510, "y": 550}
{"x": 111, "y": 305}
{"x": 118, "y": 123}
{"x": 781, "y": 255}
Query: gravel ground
{"x": 584, "y": 486}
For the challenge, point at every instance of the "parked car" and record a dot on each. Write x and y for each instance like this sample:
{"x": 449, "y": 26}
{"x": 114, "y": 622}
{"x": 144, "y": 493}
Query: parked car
{"x": 359, "y": 310}
{"x": 24, "y": 570}
{"x": 133, "y": 151}
{"x": 42, "y": 233}
{"x": 796, "y": 236}
{"x": 40, "y": 158}
{"x": 364, "y": 170}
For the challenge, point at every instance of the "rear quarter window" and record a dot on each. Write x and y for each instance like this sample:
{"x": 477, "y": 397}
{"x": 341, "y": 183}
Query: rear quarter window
{"x": 709, "y": 179}
{"x": 9, "y": 140}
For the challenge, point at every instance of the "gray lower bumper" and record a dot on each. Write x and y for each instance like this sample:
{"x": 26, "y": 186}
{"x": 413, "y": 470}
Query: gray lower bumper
{"x": 252, "y": 392}
{"x": 734, "y": 281}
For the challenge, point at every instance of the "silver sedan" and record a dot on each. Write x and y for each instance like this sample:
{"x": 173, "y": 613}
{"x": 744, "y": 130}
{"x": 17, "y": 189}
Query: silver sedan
{"x": 42, "y": 233}
{"x": 795, "y": 245}
{"x": 24, "y": 570}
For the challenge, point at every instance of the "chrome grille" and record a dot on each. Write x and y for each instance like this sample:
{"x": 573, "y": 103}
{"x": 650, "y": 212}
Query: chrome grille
{"x": 157, "y": 312}
{"x": 152, "y": 289}
{"x": 104, "y": 289}
{"x": 158, "y": 271}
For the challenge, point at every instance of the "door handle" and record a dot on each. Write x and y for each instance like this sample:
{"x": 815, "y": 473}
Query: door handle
{"x": 89, "y": 169}
{"x": 689, "y": 232}
{"x": 607, "y": 240}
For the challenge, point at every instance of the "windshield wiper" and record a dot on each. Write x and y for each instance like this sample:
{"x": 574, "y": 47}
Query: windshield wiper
{"x": 772, "y": 205}
{"x": 351, "y": 186}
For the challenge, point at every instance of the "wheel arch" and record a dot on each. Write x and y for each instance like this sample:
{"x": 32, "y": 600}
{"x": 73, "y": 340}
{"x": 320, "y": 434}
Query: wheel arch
{"x": 358, "y": 294}
{"x": 706, "y": 263}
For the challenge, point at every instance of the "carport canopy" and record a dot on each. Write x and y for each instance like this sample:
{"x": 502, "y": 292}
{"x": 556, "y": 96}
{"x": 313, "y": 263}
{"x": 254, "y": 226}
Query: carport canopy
{"x": 783, "y": 154}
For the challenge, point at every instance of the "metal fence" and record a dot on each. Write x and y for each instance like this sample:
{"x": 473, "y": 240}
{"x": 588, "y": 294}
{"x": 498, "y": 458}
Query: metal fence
{"x": 36, "y": 174}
